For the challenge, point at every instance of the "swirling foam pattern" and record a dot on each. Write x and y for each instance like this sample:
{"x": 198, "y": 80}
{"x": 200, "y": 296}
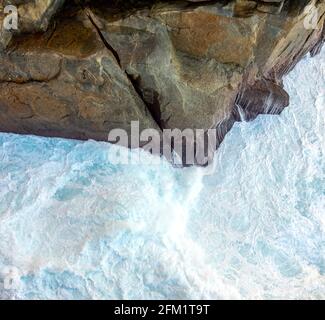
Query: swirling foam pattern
{"x": 75, "y": 226}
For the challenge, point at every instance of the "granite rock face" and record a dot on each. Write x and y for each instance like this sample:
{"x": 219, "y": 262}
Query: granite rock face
{"x": 65, "y": 83}
{"x": 78, "y": 69}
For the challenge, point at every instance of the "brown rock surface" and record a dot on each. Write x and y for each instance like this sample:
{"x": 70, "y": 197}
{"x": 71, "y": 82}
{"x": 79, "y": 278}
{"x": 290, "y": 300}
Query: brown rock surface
{"x": 93, "y": 66}
{"x": 66, "y": 83}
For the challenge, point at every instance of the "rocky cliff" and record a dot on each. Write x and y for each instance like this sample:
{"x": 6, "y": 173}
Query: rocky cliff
{"x": 78, "y": 69}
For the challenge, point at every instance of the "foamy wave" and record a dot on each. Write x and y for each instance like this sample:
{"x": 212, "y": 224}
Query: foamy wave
{"x": 73, "y": 225}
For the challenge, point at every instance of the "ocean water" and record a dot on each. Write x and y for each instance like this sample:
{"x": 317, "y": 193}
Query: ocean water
{"x": 75, "y": 226}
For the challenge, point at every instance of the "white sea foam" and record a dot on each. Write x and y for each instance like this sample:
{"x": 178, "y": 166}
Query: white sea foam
{"x": 73, "y": 225}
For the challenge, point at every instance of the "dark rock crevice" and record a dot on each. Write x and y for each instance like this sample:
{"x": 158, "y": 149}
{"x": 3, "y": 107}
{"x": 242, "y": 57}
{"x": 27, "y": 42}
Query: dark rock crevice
{"x": 103, "y": 39}
{"x": 264, "y": 97}
{"x": 149, "y": 98}
{"x": 153, "y": 106}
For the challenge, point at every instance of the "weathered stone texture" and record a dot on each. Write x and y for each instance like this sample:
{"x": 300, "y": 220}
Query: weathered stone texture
{"x": 82, "y": 68}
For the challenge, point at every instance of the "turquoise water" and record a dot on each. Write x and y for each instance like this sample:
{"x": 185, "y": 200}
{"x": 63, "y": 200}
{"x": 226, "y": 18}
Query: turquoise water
{"x": 73, "y": 225}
